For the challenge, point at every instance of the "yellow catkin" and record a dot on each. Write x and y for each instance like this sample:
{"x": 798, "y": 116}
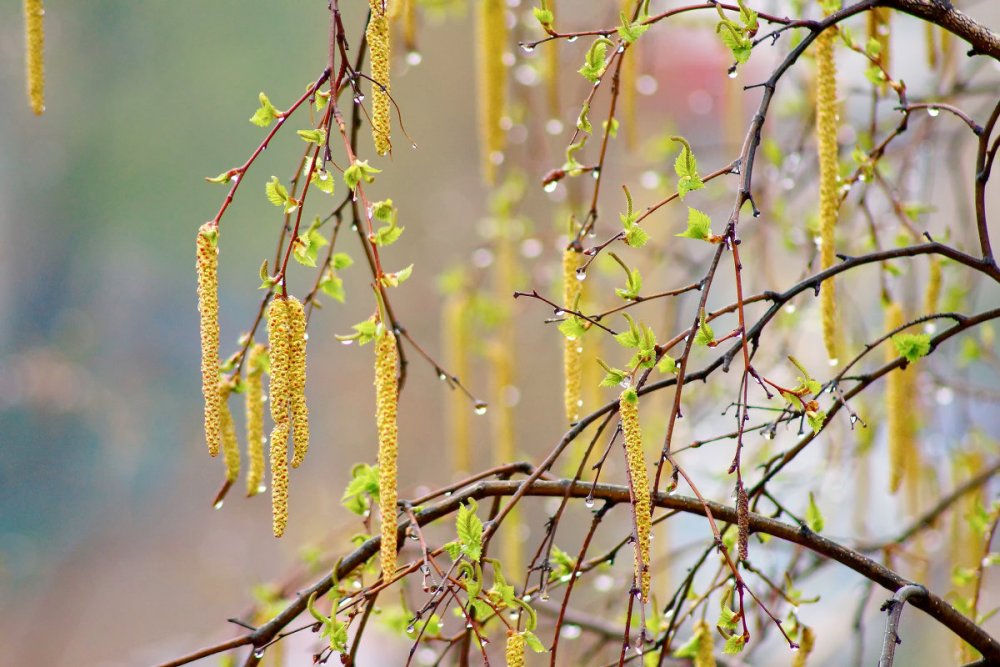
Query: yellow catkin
{"x": 572, "y": 347}
{"x": 552, "y": 71}
{"x": 255, "y": 419}
{"x": 34, "y": 34}
{"x": 280, "y": 351}
{"x": 297, "y": 380}
{"x": 899, "y": 406}
{"x": 514, "y": 651}
{"x": 628, "y": 405}
{"x": 806, "y": 642}
{"x": 207, "y": 264}
{"x": 491, "y": 39}
{"x": 826, "y": 139}
{"x": 387, "y": 401}
{"x": 230, "y": 446}
{"x": 410, "y": 26}
{"x": 933, "y": 293}
{"x": 930, "y": 32}
{"x": 378, "y": 46}
{"x": 456, "y": 347}
{"x": 878, "y": 29}
{"x": 705, "y": 657}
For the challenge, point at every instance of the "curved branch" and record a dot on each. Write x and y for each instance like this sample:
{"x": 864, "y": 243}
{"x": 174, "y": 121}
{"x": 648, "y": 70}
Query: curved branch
{"x": 983, "y": 40}
{"x": 936, "y": 607}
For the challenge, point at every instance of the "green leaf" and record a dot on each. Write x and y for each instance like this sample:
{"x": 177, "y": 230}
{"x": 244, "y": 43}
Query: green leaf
{"x": 470, "y": 531}
{"x": 629, "y": 31}
{"x": 276, "y": 193}
{"x": 735, "y": 39}
{"x": 332, "y": 285}
{"x": 705, "y": 336}
{"x": 814, "y": 518}
{"x": 631, "y": 338}
{"x": 690, "y": 647}
{"x": 816, "y": 419}
{"x": 686, "y": 167}
{"x": 544, "y": 16}
{"x": 317, "y": 137}
{"x": 912, "y": 346}
{"x": 667, "y": 364}
{"x": 734, "y": 645}
{"x": 453, "y": 549}
{"x": 362, "y": 487}
{"x": 613, "y": 131}
{"x": 358, "y": 171}
{"x": 533, "y": 642}
{"x": 613, "y": 377}
{"x": 636, "y": 236}
{"x": 364, "y": 332}
{"x": 385, "y": 212}
{"x": 323, "y": 181}
{"x": 266, "y": 113}
{"x": 582, "y": 122}
{"x": 562, "y": 563}
{"x": 593, "y": 66}
{"x": 573, "y": 327}
{"x": 224, "y": 177}
{"x": 397, "y": 278}
{"x": 341, "y": 260}
{"x": 699, "y": 226}
{"x": 307, "y": 245}
{"x": 633, "y": 285}
{"x": 572, "y": 166}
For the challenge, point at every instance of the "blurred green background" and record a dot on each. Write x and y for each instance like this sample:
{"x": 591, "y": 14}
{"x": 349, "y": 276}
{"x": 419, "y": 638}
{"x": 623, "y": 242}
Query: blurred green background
{"x": 110, "y": 553}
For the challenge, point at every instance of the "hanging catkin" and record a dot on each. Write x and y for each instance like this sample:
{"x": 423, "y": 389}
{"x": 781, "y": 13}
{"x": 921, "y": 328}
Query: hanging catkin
{"x": 552, "y": 71}
{"x": 515, "y": 649}
{"x": 255, "y": 419}
{"x": 387, "y": 400}
{"x": 230, "y": 446}
{"x": 806, "y": 643}
{"x": 572, "y": 347}
{"x": 34, "y": 36}
{"x": 933, "y": 292}
{"x": 628, "y": 405}
{"x": 206, "y": 265}
{"x": 456, "y": 347}
{"x": 705, "y": 656}
{"x": 378, "y": 46}
{"x": 826, "y": 139}
{"x": 898, "y": 405}
{"x": 297, "y": 380}
{"x": 492, "y": 78}
{"x": 280, "y": 350}
{"x": 878, "y": 29}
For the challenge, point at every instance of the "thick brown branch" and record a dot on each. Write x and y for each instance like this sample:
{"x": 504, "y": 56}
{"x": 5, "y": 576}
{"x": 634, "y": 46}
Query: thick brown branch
{"x": 982, "y": 39}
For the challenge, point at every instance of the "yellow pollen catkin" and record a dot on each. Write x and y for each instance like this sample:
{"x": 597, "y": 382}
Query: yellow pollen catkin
{"x": 899, "y": 406}
{"x": 230, "y": 446}
{"x": 829, "y": 200}
{"x": 255, "y": 419}
{"x": 378, "y": 45}
{"x": 387, "y": 402}
{"x": 280, "y": 350}
{"x": 297, "y": 380}
{"x": 705, "y": 657}
{"x": 806, "y": 643}
{"x": 572, "y": 347}
{"x": 207, "y": 264}
{"x": 933, "y": 293}
{"x": 34, "y": 34}
{"x": 491, "y": 39}
{"x": 514, "y": 651}
{"x": 628, "y": 405}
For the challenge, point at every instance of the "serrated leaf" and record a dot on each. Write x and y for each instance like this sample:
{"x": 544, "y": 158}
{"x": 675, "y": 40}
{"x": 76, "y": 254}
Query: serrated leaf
{"x": 544, "y": 16}
{"x": 667, "y": 364}
{"x": 453, "y": 549}
{"x": 613, "y": 377}
{"x": 912, "y": 346}
{"x": 704, "y": 335}
{"x": 323, "y": 181}
{"x": 814, "y": 518}
{"x": 332, "y": 285}
{"x": 470, "y": 531}
{"x": 573, "y": 328}
{"x": 686, "y": 168}
{"x": 629, "y": 31}
{"x": 276, "y": 193}
{"x": 266, "y": 113}
{"x": 358, "y": 171}
{"x": 593, "y": 66}
{"x": 341, "y": 260}
{"x": 397, "y": 278}
{"x": 317, "y": 136}
{"x": 734, "y": 645}
{"x": 699, "y": 226}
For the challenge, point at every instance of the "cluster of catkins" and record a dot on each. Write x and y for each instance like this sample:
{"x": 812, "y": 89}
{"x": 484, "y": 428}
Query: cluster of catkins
{"x": 286, "y": 329}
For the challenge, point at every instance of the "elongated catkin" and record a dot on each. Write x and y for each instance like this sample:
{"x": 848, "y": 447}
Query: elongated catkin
{"x": 230, "y": 446}
{"x": 378, "y": 46}
{"x": 297, "y": 380}
{"x": 572, "y": 347}
{"x": 255, "y": 419}
{"x": 829, "y": 200}
{"x": 933, "y": 293}
{"x": 898, "y": 405}
{"x": 514, "y": 651}
{"x": 34, "y": 36}
{"x": 387, "y": 401}
{"x": 806, "y": 643}
{"x": 491, "y": 38}
{"x": 705, "y": 657}
{"x": 628, "y": 405}
{"x": 206, "y": 265}
{"x": 280, "y": 350}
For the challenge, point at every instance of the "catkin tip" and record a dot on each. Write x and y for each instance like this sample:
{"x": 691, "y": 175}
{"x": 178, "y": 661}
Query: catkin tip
{"x": 514, "y": 651}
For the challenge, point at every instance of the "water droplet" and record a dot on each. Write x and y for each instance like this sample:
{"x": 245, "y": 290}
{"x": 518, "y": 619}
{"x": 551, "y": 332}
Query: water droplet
{"x": 626, "y": 382}
{"x": 262, "y": 488}
{"x": 527, "y": 48}
{"x": 589, "y": 501}
{"x": 732, "y": 72}
{"x": 413, "y": 58}
{"x": 259, "y": 653}
{"x": 305, "y": 336}
{"x": 854, "y": 420}
{"x": 468, "y": 626}
{"x": 597, "y": 83}
{"x": 409, "y": 629}
{"x": 218, "y": 505}
{"x": 570, "y": 631}
{"x": 933, "y": 112}
{"x": 572, "y": 39}
{"x": 347, "y": 341}
{"x": 559, "y": 312}
{"x": 550, "y": 187}
{"x": 834, "y": 362}
{"x": 596, "y": 174}
{"x": 480, "y": 408}
{"x": 526, "y": 597}
{"x": 442, "y": 377}
{"x": 790, "y": 308}
{"x": 621, "y": 49}
{"x": 581, "y": 273}
{"x": 358, "y": 99}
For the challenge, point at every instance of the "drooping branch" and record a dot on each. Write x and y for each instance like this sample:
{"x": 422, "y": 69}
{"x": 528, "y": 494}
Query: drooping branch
{"x": 935, "y": 606}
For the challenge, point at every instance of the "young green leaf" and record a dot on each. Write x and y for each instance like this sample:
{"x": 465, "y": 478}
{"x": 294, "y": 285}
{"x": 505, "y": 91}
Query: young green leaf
{"x": 686, "y": 167}
{"x": 266, "y": 113}
{"x": 395, "y": 279}
{"x": 332, "y": 285}
{"x": 734, "y": 645}
{"x": 699, "y": 226}
{"x": 593, "y": 66}
{"x": 358, "y": 171}
{"x": 705, "y": 336}
{"x": 912, "y": 346}
{"x": 814, "y": 518}
{"x": 629, "y": 31}
{"x": 470, "y": 531}
{"x": 317, "y": 137}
